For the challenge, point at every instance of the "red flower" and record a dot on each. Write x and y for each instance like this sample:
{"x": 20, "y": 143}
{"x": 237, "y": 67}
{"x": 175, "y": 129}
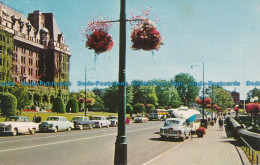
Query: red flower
{"x": 100, "y": 41}
{"x": 236, "y": 109}
{"x": 253, "y": 108}
{"x": 145, "y": 36}
{"x": 81, "y": 100}
{"x": 89, "y": 100}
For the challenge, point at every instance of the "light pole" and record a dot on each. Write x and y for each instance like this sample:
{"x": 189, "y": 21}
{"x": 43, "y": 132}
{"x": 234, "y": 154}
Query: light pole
{"x": 86, "y": 88}
{"x": 121, "y": 142}
{"x": 203, "y": 96}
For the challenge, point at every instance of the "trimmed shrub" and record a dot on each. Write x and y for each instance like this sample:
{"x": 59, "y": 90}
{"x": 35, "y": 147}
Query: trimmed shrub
{"x": 73, "y": 104}
{"x": 58, "y": 105}
{"x": 8, "y": 104}
{"x": 129, "y": 109}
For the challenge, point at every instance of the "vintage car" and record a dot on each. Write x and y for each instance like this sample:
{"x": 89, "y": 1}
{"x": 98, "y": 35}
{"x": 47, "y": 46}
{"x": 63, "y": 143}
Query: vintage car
{"x": 55, "y": 124}
{"x": 101, "y": 121}
{"x": 140, "y": 119}
{"x": 113, "y": 120}
{"x": 175, "y": 127}
{"x": 81, "y": 122}
{"x": 18, "y": 124}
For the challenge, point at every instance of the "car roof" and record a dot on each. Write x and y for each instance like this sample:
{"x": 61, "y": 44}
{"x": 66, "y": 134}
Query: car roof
{"x": 57, "y": 116}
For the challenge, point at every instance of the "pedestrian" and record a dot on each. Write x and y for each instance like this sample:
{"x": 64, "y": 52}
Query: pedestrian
{"x": 38, "y": 119}
{"x": 133, "y": 117}
{"x": 215, "y": 119}
{"x": 34, "y": 117}
{"x": 127, "y": 121}
{"x": 221, "y": 123}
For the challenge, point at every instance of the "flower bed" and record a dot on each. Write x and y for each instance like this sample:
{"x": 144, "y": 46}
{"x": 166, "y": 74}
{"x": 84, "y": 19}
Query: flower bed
{"x": 29, "y": 110}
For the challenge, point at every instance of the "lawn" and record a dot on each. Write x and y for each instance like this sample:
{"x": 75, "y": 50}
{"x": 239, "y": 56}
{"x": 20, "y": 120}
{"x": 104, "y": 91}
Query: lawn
{"x": 69, "y": 116}
{"x": 250, "y": 157}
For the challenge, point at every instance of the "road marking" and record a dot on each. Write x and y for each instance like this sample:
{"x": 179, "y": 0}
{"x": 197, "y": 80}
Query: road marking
{"x": 67, "y": 141}
{"x": 146, "y": 163}
{"x": 64, "y": 134}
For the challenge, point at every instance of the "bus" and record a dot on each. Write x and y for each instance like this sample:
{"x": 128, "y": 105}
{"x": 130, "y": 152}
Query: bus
{"x": 158, "y": 114}
{"x": 192, "y": 116}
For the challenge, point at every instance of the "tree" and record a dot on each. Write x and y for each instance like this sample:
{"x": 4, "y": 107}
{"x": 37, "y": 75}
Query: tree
{"x": 129, "y": 109}
{"x": 222, "y": 98}
{"x": 58, "y": 105}
{"x": 8, "y": 104}
{"x": 149, "y": 107}
{"x": 139, "y": 108}
{"x": 23, "y": 97}
{"x": 72, "y": 105}
{"x": 187, "y": 92}
{"x": 252, "y": 93}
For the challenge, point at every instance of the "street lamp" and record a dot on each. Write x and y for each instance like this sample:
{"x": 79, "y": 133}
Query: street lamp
{"x": 203, "y": 97}
{"x": 86, "y": 88}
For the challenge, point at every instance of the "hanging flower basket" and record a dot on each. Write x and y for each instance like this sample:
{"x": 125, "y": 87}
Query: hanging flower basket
{"x": 100, "y": 41}
{"x": 145, "y": 36}
{"x": 97, "y": 36}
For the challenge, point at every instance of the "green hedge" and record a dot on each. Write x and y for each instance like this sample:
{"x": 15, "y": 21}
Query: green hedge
{"x": 72, "y": 105}
{"x": 58, "y": 105}
{"x": 129, "y": 109}
{"x": 8, "y": 104}
{"x": 139, "y": 108}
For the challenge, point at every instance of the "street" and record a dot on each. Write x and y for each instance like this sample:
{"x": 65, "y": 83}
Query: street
{"x": 94, "y": 146}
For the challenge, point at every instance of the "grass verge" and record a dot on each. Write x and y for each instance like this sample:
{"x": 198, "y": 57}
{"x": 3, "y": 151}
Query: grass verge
{"x": 251, "y": 158}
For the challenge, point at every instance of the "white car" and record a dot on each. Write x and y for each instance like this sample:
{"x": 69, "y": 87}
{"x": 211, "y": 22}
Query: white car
{"x": 18, "y": 124}
{"x": 101, "y": 121}
{"x": 113, "y": 120}
{"x": 175, "y": 127}
{"x": 55, "y": 124}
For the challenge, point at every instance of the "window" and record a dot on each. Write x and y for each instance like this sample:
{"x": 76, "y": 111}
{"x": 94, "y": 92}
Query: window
{"x": 30, "y": 61}
{"x": 30, "y": 71}
{"x": 22, "y": 60}
{"x": 22, "y": 70}
{"x": 37, "y": 63}
{"x": 15, "y": 68}
{"x": 36, "y": 73}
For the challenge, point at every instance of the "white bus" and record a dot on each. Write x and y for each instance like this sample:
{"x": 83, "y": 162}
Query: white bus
{"x": 158, "y": 114}
{"x": 192, "y": 116}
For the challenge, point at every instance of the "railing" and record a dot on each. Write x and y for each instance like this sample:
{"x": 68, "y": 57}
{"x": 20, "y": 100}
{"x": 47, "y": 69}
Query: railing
{"x": 251, "y": 152}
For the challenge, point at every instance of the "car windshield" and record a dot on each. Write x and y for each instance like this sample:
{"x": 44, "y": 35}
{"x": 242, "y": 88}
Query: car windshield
{"x": 53, "y": 119}
{"x": 168, "y": 122}
{"x": 96, "y": 118}
{"x": 112, "y": 118}
{"x": 12, "y": 119}
{"x": 77, "y": 118}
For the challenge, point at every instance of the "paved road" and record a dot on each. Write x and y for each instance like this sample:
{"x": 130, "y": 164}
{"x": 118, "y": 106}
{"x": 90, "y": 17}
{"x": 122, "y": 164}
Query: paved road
{"x": 84, "y": 147}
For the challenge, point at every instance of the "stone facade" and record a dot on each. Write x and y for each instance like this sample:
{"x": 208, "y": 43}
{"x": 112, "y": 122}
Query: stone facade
{"x": 32, "y": 50}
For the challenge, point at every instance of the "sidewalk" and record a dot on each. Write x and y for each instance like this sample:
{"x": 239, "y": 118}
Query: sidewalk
{"x": 213, "y": 149}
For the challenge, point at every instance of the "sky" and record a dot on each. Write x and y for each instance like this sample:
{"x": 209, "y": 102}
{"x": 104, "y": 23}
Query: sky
{"x": 225, "y": 35}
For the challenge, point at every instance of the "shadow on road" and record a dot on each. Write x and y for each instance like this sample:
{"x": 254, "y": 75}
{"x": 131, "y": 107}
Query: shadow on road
{"x": 166, "y": 139}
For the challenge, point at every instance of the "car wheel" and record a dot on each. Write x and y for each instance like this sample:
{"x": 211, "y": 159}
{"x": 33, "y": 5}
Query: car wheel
{"x": 80, "y": 127}
{"x": 15, "y": 132}
{"x": 69, "y": 129}
{"x": 90, "y": 127}
{"x": 55, "y": 129}
{"x": 32, "y": 131}
{"x": 182, "y": 138}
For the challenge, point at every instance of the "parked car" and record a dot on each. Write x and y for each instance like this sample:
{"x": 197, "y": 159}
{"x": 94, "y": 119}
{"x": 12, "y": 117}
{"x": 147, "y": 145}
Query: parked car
{"x": 81, "y": 122}
{"x": 140, "y": 119}
{"x": 101, "y": 121}
{"x": 55, "y": 124}
{"x": 175, "y": 127}
{"x": 113, "y": 120}
{"x": 18, "y": 124}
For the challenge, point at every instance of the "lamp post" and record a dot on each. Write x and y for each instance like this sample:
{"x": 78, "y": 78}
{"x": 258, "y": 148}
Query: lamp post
{"x": 203, "y": 96}
{"x": 121, "y": 142}
{"x": 86, "y": 88}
